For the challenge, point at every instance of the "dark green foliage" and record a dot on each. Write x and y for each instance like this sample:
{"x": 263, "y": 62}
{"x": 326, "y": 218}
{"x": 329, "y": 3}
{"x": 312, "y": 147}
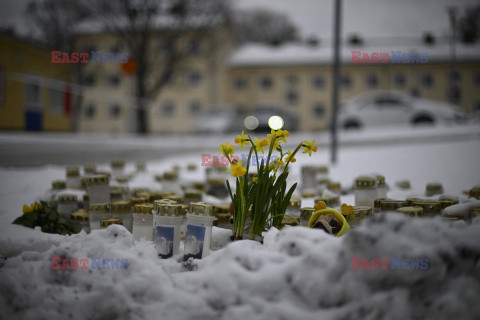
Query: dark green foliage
{"x": 46, "y": 216}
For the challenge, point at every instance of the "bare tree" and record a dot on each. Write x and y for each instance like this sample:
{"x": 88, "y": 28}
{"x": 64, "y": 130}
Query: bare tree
{"x": 263, "y": 26}
{"x": 137, "y": 22}
{"x": 469, "y": 25}
{"x": 56, "y": 21}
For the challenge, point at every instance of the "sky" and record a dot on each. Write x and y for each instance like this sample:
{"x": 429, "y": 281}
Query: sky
{"x": 368, "y": 18}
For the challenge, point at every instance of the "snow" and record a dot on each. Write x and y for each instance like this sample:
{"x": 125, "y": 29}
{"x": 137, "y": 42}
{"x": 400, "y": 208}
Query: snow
{"x": 298, "y": 273}
{"x": 461, "y": 209}
{"x": 254, "y": 55}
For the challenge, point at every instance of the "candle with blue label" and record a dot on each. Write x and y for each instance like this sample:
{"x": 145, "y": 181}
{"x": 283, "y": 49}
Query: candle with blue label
{"x": 199, "y": 230}
{"x": 167, "y": 222}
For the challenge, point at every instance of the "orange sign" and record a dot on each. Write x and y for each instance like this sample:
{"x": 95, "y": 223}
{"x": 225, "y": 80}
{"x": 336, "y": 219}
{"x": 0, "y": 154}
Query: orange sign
{"x": 130, "y": 67}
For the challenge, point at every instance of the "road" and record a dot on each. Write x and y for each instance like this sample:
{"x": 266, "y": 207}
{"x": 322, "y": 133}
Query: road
{"x": 34, "y": 149}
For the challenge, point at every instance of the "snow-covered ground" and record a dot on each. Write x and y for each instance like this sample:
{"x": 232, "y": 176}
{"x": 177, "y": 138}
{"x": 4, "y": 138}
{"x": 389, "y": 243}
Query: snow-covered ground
{"x": 297, "y": 273}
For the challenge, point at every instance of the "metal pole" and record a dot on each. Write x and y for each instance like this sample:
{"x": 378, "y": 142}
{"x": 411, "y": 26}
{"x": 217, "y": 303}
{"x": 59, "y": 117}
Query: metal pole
{"x": 452, "y": 11}
{"x": 336, "y": 76}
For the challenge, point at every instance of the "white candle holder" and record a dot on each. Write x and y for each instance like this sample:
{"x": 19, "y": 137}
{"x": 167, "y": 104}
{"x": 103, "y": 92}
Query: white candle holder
{"x": 80, "y": 220}
{"x": 67, "y": 203}
{"x": 365, "y": 191}
{"x": 309, "y": 177}
{"x": 199, "y": 231}
{"x": 293, "y": 208}
{"x": 381, "y": 187}
{"x": 167, "y": 221}
{"x": 170, "y": 183}
{"x": 118, "y": 169}
{"x": 98, "y": 189}
{"x": 143, "y": 222}
{"x": 123, "y": 210}
{"x": 98, "y": 212}
{"x": 73, "y": 179}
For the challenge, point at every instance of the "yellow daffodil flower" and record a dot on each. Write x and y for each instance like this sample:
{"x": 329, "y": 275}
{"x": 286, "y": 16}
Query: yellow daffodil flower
{"x": 290, "y": 157}
{"x": 32, "y": 208}
{"x": 309, "y": 147}
{"x": 282, "y": 135}
{"x": 255, "y": 179}
{"x": 237, "y": 170}
{"x": 320, "y": 205}
{"x": 272, "y": 135}
{"x": 242, "y": 139}
{"x": 226, "y": 149}
{"x": 260, "y": 144}
{"x": 27, "y": 209}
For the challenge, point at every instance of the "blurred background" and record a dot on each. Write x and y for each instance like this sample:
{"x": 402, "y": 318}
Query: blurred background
{"x": 214, "y": 67}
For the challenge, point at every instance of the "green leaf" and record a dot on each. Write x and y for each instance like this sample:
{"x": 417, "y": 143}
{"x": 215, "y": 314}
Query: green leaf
{"x": 29, "y": 220}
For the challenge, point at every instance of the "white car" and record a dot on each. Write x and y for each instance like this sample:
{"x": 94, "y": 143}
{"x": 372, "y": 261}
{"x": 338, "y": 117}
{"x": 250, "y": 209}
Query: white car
{"x": 386, "y": 108}
{"x": 220, "y": 120}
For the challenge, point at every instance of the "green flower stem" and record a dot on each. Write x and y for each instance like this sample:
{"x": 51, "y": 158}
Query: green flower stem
{"x": 293, "y": 155}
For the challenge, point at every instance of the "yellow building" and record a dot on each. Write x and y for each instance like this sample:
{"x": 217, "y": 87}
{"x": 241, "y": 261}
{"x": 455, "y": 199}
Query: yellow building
{"x": 299, "y": 78}
{"x": 32, "y": 89}
{"x": 197, "y": 84}
{"x": 294, "y": 77}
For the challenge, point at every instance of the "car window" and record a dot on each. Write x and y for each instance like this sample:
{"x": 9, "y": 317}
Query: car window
{"x": 389, "y": 102}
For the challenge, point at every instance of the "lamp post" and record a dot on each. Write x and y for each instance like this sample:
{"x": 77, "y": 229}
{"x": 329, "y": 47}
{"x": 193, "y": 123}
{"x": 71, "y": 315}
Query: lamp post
{"x": 336, "y": 76}
{"x": 452, "y": 12}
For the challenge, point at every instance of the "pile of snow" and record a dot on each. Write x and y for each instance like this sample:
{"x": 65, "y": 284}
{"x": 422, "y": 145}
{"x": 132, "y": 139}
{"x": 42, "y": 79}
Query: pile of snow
{"x": 298, "y": 273}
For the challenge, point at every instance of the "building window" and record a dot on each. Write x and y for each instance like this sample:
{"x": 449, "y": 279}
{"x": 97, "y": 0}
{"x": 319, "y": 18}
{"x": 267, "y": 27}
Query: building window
{"x": 2, "y": 86}
{"x": 194, "y": 78}
{"x": 371, "y": 80}
{"x": 266, "y": 83}
{"x": 114, "y": 111}
{"x": 194, "y": 107}
{"x": 476, "y": 79}
{"x": 240, "y": 83}
{"x": 114, "y": 80}
{"x": 90, "y": 111}
{"x": 427, "y": 80}
{"x": 33, "y": 95}
{"x": 89, "y": 80}
{"x": 193, "y": 47}
{"x": 56, "y": 101}
{"x": 318, "y": 82}
{"x": 454, "y": 76}
{"x": 292, "y": 79}
{"x": 454, "y": 94}
{"x": 292, "y": 97}
{"x": 167, "y": 108}
{"x": 318, "y": 110}
{"x": 115, "y": 48}
{"x": 164, "y": 47}
{"x": 345, "y": 81}
{"x": 399, "y": 80}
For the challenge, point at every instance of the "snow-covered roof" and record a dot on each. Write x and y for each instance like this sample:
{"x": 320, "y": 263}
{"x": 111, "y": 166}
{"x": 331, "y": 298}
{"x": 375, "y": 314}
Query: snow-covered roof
{"x": 254, "y": 55}
{"x": 160, "y": 23}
